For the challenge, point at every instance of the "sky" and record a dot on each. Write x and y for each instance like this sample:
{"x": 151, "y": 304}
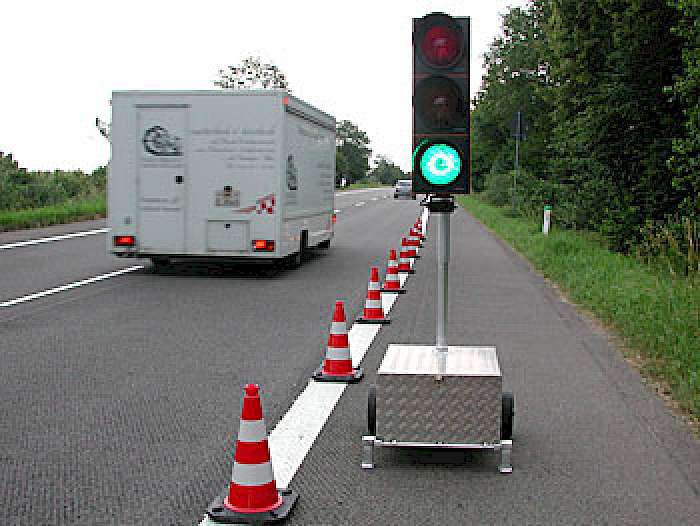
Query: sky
{"x": 60, "y": 61}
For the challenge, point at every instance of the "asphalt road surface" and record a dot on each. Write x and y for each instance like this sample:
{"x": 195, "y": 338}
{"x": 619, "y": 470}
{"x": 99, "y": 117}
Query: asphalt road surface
{"x": 120, "y": 398}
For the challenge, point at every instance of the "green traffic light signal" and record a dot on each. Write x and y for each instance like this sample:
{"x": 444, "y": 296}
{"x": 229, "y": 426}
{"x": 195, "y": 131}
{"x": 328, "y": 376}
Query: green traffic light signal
{"x": 439, "y": 164}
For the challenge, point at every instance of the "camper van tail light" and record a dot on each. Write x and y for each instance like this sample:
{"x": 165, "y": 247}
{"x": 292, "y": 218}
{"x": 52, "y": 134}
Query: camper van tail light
{"x": 124, "y": 241}
{"x": 334, "y": 218}
{"x": 264, "y": 245}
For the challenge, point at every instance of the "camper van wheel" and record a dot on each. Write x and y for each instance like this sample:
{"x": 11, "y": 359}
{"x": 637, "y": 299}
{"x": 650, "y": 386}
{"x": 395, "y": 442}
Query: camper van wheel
{"x": 159, "y": 263}
{"x": 293, "y": 260}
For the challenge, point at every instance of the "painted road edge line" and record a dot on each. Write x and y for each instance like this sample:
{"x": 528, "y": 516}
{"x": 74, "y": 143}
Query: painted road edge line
{"x": 294, "y": 435}
{"x": 53, "y": 238}
{"x": 69, "y": 286}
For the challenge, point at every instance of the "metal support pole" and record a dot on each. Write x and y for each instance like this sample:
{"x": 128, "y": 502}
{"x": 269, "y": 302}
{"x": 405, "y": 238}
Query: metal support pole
{"x": 443, "y": 261}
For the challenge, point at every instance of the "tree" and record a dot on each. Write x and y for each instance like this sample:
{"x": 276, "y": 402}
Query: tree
{"x": 352, "y": 148}
{"x": 613, "y": 123}
{"x": 252, "y": 74}
{"x": 516, "y": 80}
{"x": 685, "y": 160}
{"x": 386, "y": 172}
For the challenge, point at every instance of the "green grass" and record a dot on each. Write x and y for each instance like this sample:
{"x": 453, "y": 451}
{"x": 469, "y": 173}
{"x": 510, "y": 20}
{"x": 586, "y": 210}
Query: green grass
{"x": 657, "y": 315}
{"x": 74, "y": 210}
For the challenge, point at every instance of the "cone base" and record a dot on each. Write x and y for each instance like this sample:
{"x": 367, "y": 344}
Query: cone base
{"x": 220, "y": 514}
{"x": 357, "y": 374}
{"x": 384, "y": 321}
{"x": 397, "y": 291}
{"x": 412, "y": 271}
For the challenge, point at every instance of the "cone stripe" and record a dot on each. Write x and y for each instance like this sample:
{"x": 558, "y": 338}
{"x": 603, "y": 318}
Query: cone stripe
{"x": 338, "y": 340}
{"x": 252, "y": 431}
{"x": 373, "y": 285}
{"x": 373, "y": 304}
{"x": 338, "y": 327}
{"x": 254, "y": 499}
{"x": 338, "y": 367}
{"x": 252, "y": 474}
{"x": 252, "y": 452}
{"x": 337, "y": 353}
{"x": 252, "y": 410}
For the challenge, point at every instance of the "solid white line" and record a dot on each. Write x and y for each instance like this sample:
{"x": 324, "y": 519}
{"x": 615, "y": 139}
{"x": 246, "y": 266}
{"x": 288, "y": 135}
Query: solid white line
{"x": 76, "y": 284}
{"x": 360, "y": 203}
{"x": 53, "y": 238}
{"x": 294, "y": 435}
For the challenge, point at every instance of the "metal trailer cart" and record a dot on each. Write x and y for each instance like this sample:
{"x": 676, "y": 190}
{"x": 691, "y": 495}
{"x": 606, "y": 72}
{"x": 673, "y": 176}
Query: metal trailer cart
{"x": 440, "y": 396}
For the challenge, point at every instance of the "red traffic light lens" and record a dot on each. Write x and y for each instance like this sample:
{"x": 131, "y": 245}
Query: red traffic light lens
{"x": 441, "y": 44}
{"x": 439, "y": 103}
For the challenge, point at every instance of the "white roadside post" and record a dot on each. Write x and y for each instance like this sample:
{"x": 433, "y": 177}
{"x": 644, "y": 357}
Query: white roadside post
{"x": 547, "y": 219}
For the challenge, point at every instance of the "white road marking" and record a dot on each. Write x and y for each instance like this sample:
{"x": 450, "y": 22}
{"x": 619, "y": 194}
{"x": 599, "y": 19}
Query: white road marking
{"x": 347, "y": 193}
{"x": 295, "y": 434}
{"x": 336, "y": 211}
{"x": 53, "y": 238}
{"x": 74, "y": 285}
{"x": 360, "y": 203}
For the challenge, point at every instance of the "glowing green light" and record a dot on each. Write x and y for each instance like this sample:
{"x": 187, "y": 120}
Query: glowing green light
{"x": 440, "y": 164}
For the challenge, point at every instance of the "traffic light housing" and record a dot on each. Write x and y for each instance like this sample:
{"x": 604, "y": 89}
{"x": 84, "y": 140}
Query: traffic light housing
{"x": 441, "y": 148}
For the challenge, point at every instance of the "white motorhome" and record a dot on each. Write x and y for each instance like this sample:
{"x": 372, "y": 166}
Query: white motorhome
{"x": 237, "y": 175}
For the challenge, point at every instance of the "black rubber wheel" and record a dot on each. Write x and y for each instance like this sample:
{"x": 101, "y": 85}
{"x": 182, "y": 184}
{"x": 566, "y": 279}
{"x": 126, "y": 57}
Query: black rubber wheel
{"x": 159, "y": 264}
{"x": 372, "y": 410}
{"x": 293, "y": 260}
{"x": 507, "y": 416}
{"x": 325, "y": 244}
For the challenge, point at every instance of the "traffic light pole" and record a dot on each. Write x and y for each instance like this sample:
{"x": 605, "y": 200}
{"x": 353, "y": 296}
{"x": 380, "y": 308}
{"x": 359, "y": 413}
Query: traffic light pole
{"x": 442, "y": 206}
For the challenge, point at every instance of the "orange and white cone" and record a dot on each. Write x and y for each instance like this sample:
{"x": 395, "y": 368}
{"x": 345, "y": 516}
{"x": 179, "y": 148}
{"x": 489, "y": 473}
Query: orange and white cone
{"x": 420, "y": 228}
{"x": 392, "y": 283}
{"x": 419, "y": 232}
{"x": 411, "y": 247}
{"x": 404, "y": 259}
{"x": 374, "y": 312}
{"x": 252, "y": 497}
{"x": 414, "y": 242}
{"x": 337, "y": 366}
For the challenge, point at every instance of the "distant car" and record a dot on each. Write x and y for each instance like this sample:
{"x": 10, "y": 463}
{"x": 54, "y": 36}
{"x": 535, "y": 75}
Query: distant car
{"x": 403, "y": 188}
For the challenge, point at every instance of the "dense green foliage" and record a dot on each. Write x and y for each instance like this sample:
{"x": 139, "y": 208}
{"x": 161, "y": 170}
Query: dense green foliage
{"x": 21, "y": 189}
{"x": 610, "y": 91}
{"x": 386, "y": 172}
{"x": 352, "y": 152}
{"x": 655, "y": 313}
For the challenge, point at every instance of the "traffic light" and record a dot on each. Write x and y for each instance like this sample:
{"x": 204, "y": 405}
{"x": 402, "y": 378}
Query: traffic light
{"x": 441, "y": 152}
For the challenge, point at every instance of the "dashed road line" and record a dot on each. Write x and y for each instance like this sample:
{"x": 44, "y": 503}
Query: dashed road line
{"x": 52, "y": 238}
{"x": 76, "y": 284}
{"x": 360, "y": 203}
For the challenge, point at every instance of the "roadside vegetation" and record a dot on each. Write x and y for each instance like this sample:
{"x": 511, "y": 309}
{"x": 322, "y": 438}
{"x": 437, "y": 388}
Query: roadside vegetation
{"x": 656, "y": 313}
{"x": 30, "y": 199}
{"x": 609, "y": 92}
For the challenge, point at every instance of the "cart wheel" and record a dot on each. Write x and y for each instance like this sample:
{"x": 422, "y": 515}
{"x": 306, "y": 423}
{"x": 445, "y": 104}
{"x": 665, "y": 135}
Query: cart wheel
{"x": 507, "y": 414}
{"x": 372, "y": 410}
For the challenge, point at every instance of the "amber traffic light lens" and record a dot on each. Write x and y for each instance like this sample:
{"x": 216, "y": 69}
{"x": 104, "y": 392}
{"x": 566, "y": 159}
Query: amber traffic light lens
{"x": 439, "y": 104}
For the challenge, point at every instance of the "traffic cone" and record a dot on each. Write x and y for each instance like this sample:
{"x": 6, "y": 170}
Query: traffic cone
{"x": 391, "y": 281}
{"x": 374, "y": 312}
{"x": 252, "y": 497}
{"x": 420, "y": 228}
{"x": 411, "y": 247}
{"x": 414, "y": 243}
{"x": 337, "y": 366}
{"x": 404, "y": 260}
{"x": 419, "y": 231}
